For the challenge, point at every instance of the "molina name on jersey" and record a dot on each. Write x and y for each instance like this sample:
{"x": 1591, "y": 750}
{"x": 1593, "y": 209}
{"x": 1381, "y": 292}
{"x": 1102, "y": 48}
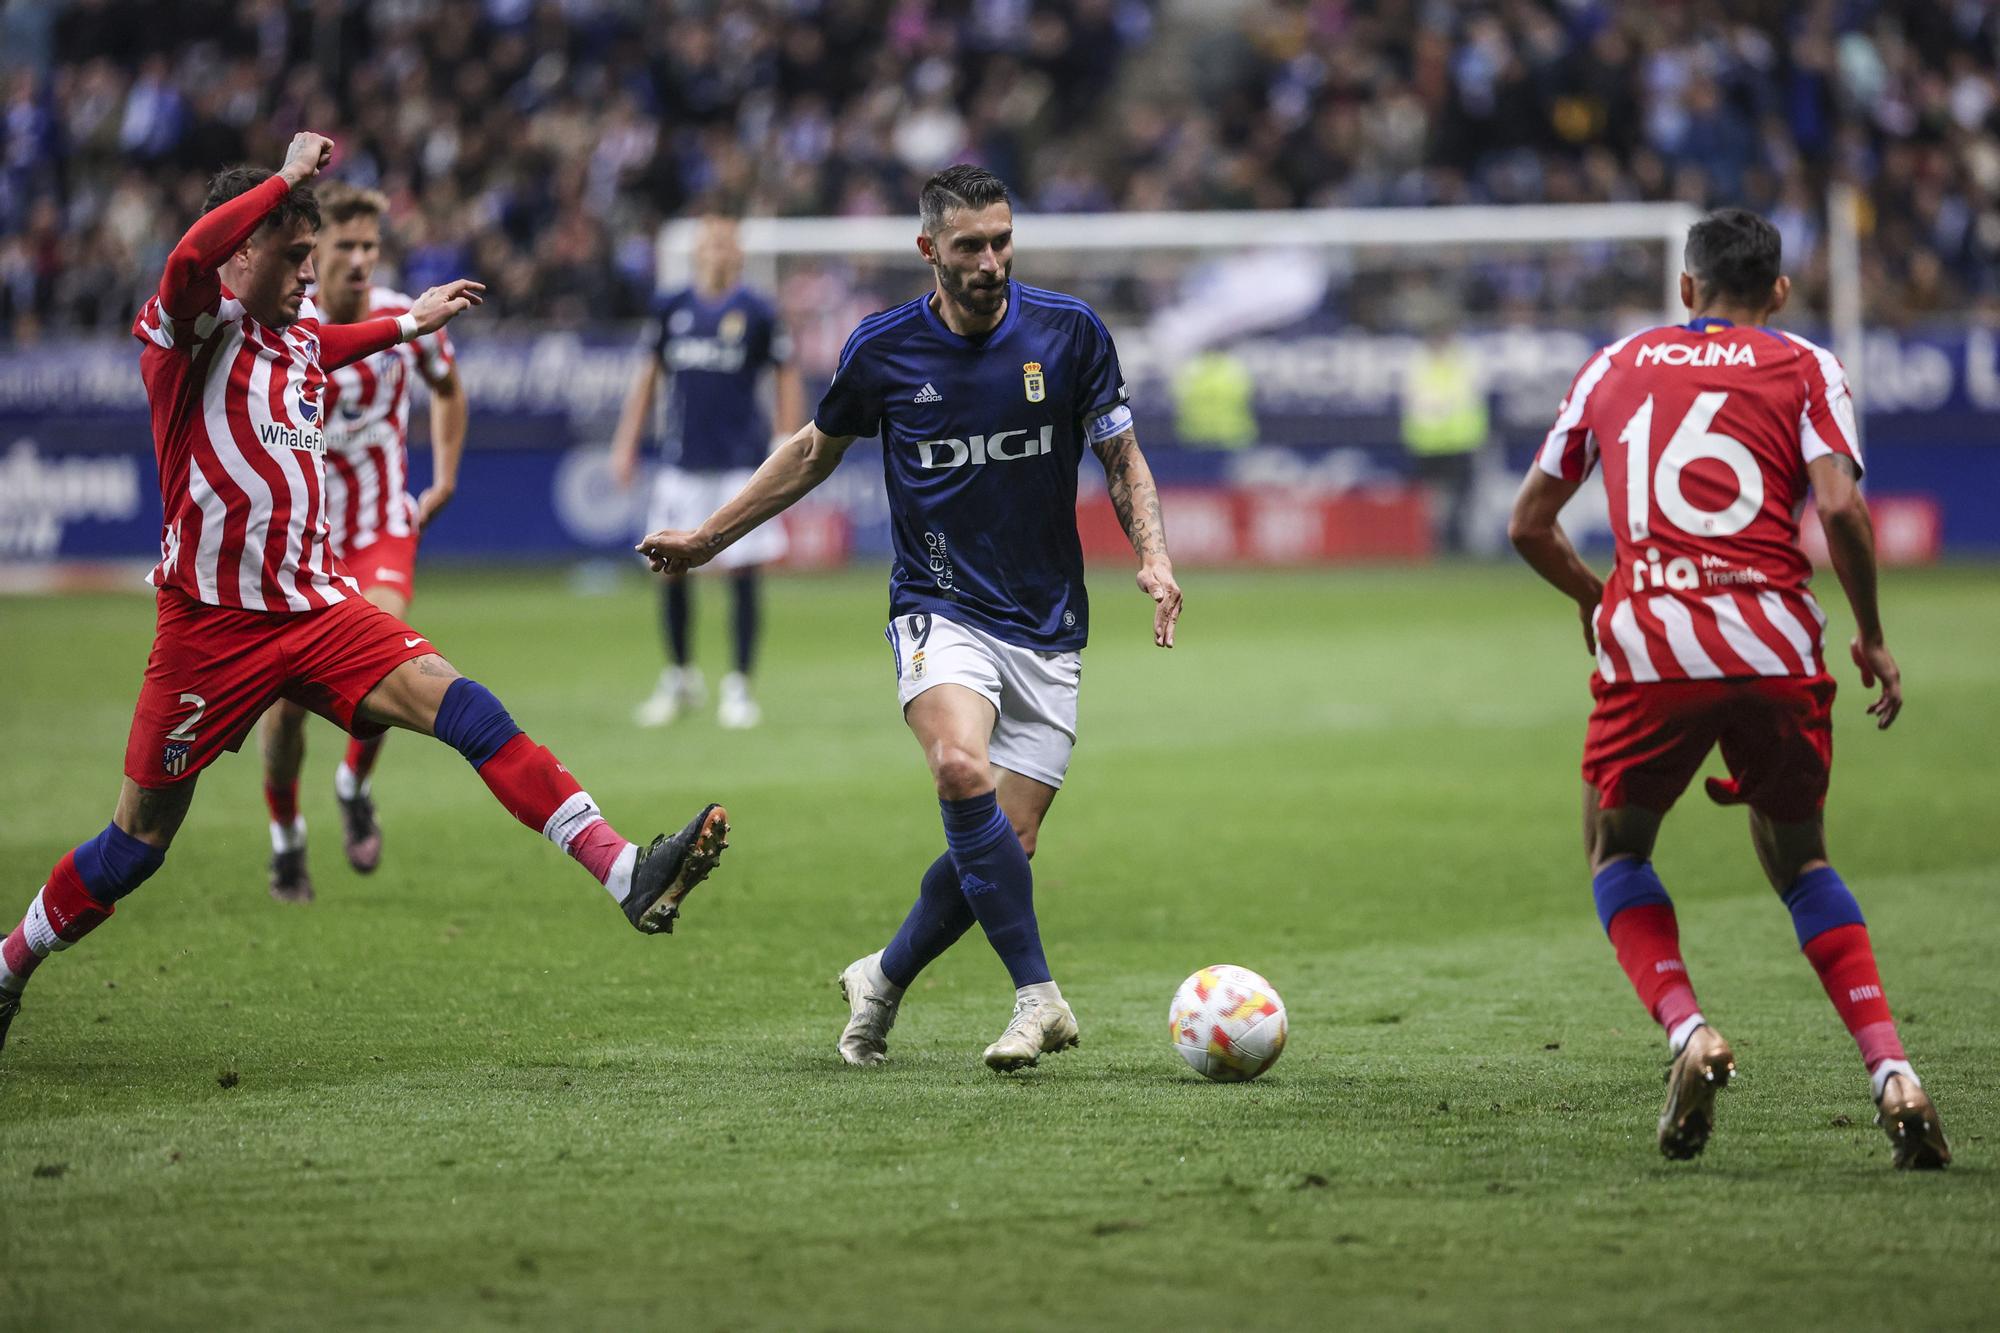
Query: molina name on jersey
{"x": 713, "y": 352}
{"x": 1703, "y": 432}
{"x": 981, "y": 440}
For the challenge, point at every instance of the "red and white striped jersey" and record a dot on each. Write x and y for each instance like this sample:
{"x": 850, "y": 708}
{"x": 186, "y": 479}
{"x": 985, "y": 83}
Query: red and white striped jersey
{"x": 1703, "y": 432}
{"x": 368, "y": 431}
{"x": 236, "y": 431}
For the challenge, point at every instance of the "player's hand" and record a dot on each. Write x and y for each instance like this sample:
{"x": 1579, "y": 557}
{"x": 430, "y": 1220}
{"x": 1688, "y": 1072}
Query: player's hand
{"x": 1877, "y": 663}
{"x": 433, "y": 499}
{"x": 1156, "y": 580}
{"x": 438, "y": 306}
{"x": 671, "y": 552}
{"x": 307, "y": 156}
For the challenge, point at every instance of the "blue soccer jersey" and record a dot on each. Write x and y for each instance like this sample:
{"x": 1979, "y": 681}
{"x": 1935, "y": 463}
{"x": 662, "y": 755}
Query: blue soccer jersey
{"x": 713, "y": 353}
{"x": 981, "y": 440}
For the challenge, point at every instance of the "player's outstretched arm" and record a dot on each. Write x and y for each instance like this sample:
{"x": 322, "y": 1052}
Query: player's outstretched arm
{"x": 344, "y": 344}
{"x": 1137, "y": 502}
{"x": 1546, "y": 547}
{"x": 794, "y": 467}
{"x": 1850, "y": 540}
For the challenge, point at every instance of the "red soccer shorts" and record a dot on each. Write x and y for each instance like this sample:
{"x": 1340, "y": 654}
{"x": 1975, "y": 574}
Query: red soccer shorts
{"x": 215, "y": 669}
{"x": 387, "y": 562}
{"x": 1647, "y": 741}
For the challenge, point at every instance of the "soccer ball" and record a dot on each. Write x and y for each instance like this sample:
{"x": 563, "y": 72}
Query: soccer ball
{"x": 1228, "y": 1023}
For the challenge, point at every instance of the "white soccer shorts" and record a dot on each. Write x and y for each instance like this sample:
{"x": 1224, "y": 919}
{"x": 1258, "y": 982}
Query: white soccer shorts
{"x": 1033, "y": 693}
{"x": 683, "y": 500}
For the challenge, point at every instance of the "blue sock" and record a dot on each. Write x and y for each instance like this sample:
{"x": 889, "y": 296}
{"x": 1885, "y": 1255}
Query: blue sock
{"x": 114, "y": 863}
{"x": 1818, "y": 901}
{"x": 1624, "y": 884}
{"x": 936, "y": 920}
{"x": 993, "y": 873}
{"x": 471, "y": 721}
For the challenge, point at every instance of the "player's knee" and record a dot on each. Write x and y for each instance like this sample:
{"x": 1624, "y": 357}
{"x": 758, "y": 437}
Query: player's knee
{"x": 116, "y": 861}
{"x": 960, "y": 774}
{"x": 472, "y": 721}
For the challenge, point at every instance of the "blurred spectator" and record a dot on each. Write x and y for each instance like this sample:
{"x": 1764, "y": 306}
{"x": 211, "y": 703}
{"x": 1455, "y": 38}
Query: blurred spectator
{"x": 541, "y": 142}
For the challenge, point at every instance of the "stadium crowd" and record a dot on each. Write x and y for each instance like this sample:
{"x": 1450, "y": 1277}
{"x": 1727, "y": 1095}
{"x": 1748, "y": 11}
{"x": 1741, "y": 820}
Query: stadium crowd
{"x": 540, "y": 145}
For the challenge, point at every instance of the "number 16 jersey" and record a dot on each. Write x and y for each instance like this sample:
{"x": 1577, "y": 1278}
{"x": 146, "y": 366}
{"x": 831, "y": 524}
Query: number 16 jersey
{"x": 1703, "y": 432}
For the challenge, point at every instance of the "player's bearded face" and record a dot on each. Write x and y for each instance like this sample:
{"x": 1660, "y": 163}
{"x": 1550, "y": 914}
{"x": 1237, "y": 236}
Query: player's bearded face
{"x": 277, "y": 271}
{"x": 974, "y": 256}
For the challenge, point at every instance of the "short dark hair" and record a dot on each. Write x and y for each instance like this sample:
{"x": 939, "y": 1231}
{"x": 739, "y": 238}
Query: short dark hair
{"x": 299, "y": 202}
{"x": 960, "y": 186}
{"x": 342, "y": 202}
{"x": 1735, "y": 255}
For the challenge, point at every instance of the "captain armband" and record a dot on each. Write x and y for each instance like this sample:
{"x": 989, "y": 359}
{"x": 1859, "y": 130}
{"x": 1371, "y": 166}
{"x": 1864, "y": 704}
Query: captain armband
{"x": 1109, "y": 423}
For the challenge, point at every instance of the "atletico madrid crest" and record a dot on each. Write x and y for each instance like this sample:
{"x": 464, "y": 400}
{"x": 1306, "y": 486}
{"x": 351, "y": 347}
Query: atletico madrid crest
{"x": 1031, "y": 380}
{"x": 174, "y": 758}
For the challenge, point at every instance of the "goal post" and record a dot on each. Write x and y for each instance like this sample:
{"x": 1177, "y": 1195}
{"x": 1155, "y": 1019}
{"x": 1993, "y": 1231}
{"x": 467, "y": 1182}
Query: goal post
{"x": 1278, "y": 351}
{"x": 766, "y": 241}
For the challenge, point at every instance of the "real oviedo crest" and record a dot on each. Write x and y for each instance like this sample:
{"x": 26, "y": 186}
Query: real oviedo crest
{"x": 1032, "y": 381}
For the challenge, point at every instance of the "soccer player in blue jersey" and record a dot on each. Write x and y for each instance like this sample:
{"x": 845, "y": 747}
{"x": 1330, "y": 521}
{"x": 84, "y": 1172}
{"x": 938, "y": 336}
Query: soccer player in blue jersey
{"x": 985, "y": 393}
{"x": 716, "y": 340}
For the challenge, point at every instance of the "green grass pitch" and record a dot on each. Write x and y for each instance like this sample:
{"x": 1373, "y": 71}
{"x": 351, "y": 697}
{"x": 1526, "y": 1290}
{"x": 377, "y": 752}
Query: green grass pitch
{"x": 464, "y": 1092}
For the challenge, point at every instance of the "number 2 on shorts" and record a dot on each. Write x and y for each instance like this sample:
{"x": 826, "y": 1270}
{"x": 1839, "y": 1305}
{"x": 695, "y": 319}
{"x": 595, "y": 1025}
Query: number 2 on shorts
{"x": 185, "y": 731}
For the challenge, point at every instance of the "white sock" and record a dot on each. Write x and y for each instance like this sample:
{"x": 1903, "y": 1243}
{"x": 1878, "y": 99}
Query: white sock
{"x": 871, "y": 969}
{"x": 572, "y": 817}
{"x": 1679, "y": 1036}
{"x": 288, "y": 839}
{"x": 619, "y": 882}
{"x": 1880, "y": 1078}
{"x": 1043, "y": 991}
{"x": 345, "y": 785}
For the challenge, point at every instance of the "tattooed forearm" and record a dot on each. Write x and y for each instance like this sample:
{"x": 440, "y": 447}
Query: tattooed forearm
{"x": 1133, "y": 495}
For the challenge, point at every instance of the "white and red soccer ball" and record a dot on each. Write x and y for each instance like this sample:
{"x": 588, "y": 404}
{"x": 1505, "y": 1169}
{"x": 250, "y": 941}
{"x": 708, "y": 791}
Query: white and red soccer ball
{"x": 1228, "y": 1023}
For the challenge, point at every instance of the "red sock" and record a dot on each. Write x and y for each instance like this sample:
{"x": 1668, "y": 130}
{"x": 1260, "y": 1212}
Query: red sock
{"x": 283, "y": 801}
{"x": 72, "y": 913}
{"x": 61, "y": 914}
{"x": 361, "y": 755}
{"x": 1845, "y": 961}
{"x": 539, "y": 791}
{"x": 1648, "y": 940}
{"x": 527, "y": 780}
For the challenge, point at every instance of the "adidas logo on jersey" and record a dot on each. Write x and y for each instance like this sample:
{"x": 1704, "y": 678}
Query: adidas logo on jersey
{"x": 928, "y": 394}
{"x": 1704, "y": 354}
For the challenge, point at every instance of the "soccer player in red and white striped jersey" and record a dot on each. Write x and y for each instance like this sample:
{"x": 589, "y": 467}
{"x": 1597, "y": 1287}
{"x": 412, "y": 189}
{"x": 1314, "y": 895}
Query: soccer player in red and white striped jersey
{"x": 1709, "y": 435}
{"x": 252, "y": 604}
{"x": 372, "y": 521}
